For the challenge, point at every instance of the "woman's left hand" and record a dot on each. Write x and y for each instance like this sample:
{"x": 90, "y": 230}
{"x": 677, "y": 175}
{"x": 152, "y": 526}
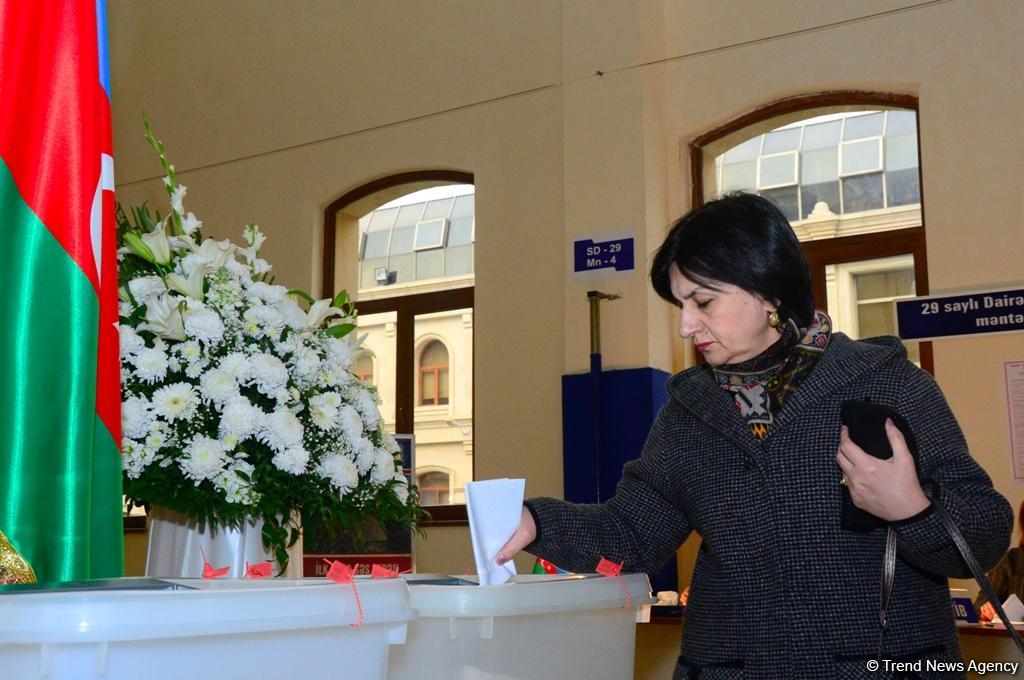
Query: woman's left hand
{"x": 888, "y": 489}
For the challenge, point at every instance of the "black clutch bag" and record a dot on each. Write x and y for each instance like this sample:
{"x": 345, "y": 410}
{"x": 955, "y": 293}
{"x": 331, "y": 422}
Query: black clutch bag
{"x": 866, "y": 423}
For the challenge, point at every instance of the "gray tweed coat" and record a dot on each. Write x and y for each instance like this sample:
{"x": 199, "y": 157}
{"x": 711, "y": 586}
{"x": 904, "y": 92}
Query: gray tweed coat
{"x": 780, "y": 590}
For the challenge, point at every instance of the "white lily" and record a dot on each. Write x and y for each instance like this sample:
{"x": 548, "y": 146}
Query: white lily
{"x": 297, "y": 319}
{"x": 319, "y": 312}
{"x": 189, "y": 223}
{"x": 191, "y": 286}
{"x": 157, "y": 243}
{"x": 164, "y": 318}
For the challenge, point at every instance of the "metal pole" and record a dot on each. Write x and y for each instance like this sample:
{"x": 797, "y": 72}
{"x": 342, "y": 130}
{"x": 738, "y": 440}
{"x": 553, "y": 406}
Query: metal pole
{"x": 594, "y": 297}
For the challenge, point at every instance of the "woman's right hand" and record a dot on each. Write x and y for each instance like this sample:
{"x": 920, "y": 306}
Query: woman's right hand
{"x": 987, "y": 613}
{"x": 523, "y": 536}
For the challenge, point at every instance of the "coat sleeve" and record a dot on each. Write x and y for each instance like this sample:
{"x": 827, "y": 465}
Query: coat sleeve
{"x": 999, "y": 577}
{"x": 642, "y": 525}
{"x": 948, "y": 471}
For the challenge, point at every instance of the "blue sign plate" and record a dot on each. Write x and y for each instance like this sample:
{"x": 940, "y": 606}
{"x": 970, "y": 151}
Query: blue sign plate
{"x": 590, "y": 255}
{"x": 966, "y": 314}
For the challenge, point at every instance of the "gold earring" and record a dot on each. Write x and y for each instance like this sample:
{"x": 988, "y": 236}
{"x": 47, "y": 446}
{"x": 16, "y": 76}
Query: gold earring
{"x": 773, "y": 318}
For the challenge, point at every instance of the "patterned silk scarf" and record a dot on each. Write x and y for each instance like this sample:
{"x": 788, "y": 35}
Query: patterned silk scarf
{"x": 761, "y": 385}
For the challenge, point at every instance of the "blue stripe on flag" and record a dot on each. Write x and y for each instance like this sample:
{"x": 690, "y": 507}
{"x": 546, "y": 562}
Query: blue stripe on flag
{"x": 101, "y": 34}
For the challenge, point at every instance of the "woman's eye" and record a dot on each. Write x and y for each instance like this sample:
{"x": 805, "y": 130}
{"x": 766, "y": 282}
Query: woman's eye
{"x": 701, "y": 304}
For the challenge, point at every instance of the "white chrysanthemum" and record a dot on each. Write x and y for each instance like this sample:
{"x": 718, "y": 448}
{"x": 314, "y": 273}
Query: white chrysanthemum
{"x": 146, "y": 286}
{"x": 234, "y": 487}
{"x": 292, "y": 460}
{"x": 204, "y": 325}
{"x": 237, "y": 364}
{"x": 190, "y": 351}
{"x": 240, "y": 418}
{"x": 341, "y": 353}
{"x": 195, "y": 370}
{"x": 402, "y": 488}
{"x": 175, "y": 401}
{"x": 365, "y": 454}
{"x": 238, "y": 269}
{"x": 366, "y": 402}
{"x": 332, "y": 399}
{"x": 218, "y": 386}
{"x": 174, "y": 364}
{"x": 389, "y": 443}
{"x": 351, "y": 423}
{"x": 124, "y": 308}
{"x": 323, "y": 414}
{"x": 135, "y": 457}
{"x": 266, "y": 293}
{"x": 281, "y": 430}
{"x": 150, "y": 365}
{"x": 268, "y": 373}
{"x": 156, "y": 439}
{"x": 131, "y": 342}
{"x": 136, "y": 417}
{"x": 204, "y": 459}
{"x": 383, "y": 467}
{"x": 266, "y": 318}
{"x": 306, "y": 364}
{"x": 341, "y": 472}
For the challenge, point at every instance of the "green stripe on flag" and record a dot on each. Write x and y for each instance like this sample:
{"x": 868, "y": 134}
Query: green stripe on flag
{"x": 60, "y": 471}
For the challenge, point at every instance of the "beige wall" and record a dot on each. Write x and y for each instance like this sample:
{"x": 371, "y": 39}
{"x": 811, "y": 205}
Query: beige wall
{"x": 574, "y": 117}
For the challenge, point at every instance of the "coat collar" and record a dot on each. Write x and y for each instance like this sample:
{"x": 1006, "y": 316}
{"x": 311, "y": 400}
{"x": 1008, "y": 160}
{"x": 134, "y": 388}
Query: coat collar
{"x": 844, "y": 359}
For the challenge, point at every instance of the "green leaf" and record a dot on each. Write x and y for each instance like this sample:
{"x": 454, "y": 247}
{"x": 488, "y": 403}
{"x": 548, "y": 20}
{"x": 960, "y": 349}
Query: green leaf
{"x": 341, "y": 330}
{"x": 302, "y": 294}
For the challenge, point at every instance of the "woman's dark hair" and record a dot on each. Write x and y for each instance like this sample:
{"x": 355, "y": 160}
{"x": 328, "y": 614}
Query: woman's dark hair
{"x": 742, "y": 239}
{"x": 1020, "y": 521}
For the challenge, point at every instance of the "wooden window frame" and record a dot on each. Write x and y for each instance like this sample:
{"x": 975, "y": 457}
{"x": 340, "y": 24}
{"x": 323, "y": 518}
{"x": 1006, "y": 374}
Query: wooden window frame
{"x": 843, "y": 248}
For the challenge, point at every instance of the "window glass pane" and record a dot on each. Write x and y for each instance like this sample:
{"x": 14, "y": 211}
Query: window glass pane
{"x": 402, "y": 239}
{"x": 436, "y": 209}
{"x": 901, "y": 123}
{"x": 821, "y": 135}
{"x": 409, "y": 215}
{"x": 819, "y": 165}
{"x": 429, "y": 264}
{"x": 382, "y": 219}
{"x": 885, "y": 284}
{"x": 380, "y": 340}
{"x": 746, "y": 151}
{"x": 458, "y": 261}
{"x": 862, "y": 192}
{"x": 901, "y": 152}
{"x": 903, "y": 187}
{"x": 460, "y": 231}
{"x": 786, "y": 199}
{"x": 366, "y": 267}
{"x": 861, "y": 156}
{"x": 402, "y": 267}
{"x": 428, "y": 387}
{"x": 444, "y": 430}
{"x": 781, "y": 140}
{"x": 827, "y": 192}
{"x": 778, "y": 170}
{"x": 739, "y": 176}
{"x": 463, "y": 207}
{"x": 859, "y": 127}
{"x": 376, "y": 244}
{"x": 430, "y": 234}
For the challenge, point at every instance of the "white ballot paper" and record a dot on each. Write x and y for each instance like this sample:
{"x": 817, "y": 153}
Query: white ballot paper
{"x": 1014, "y": 609}
{"x": 494, "y": 507}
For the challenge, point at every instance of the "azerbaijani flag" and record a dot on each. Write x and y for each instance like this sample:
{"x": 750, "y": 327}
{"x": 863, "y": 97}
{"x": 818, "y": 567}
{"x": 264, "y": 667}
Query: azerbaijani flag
{"x": 60, "y": 417}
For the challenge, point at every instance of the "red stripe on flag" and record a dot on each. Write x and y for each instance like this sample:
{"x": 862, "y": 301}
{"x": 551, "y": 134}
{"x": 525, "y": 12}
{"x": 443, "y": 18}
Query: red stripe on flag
{"x": 50, "y": 134}
{"x": 108, "y": 372}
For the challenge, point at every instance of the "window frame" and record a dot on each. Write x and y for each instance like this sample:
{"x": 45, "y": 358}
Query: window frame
{"x": 842, "y": 249}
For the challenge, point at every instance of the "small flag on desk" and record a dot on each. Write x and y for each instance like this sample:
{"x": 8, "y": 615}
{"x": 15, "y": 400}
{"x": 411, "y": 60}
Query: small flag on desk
{"x": 542, "y": 566}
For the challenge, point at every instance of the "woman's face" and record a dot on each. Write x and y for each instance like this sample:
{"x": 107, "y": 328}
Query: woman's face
{"x": 728, "y": 325}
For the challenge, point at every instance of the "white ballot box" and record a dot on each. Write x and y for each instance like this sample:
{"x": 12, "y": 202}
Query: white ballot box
{"x": 164, "y": 629}
{"x": 564, "y": 627}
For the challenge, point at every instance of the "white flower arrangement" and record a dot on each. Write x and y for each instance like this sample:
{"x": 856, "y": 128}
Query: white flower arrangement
{"x": 237, "y": 401}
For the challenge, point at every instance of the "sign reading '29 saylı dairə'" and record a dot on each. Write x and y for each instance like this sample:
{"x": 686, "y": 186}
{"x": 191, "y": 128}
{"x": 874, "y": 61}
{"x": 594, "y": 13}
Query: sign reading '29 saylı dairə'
{"x": 963, "y": 314}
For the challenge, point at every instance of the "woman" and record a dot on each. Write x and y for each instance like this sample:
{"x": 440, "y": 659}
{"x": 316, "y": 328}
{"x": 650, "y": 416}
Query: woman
{"x": 1007, "y": 577}
{"x": 749, "y": 452}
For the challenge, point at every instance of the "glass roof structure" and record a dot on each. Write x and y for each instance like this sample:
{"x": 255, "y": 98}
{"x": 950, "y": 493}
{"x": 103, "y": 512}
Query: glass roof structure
{"x": 424, "y": 235}
{"x": 853, "y": 162}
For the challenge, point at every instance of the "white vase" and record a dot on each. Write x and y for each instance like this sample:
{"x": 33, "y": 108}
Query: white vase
{"x": 175, "y": 541}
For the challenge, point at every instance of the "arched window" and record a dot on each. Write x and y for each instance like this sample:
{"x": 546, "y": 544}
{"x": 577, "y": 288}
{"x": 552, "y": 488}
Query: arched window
{"x": 435, "y": 487}
{"x": 433, "y": 383}
{"x": 403, "y": 246}
{"x": 844, "y": 169}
